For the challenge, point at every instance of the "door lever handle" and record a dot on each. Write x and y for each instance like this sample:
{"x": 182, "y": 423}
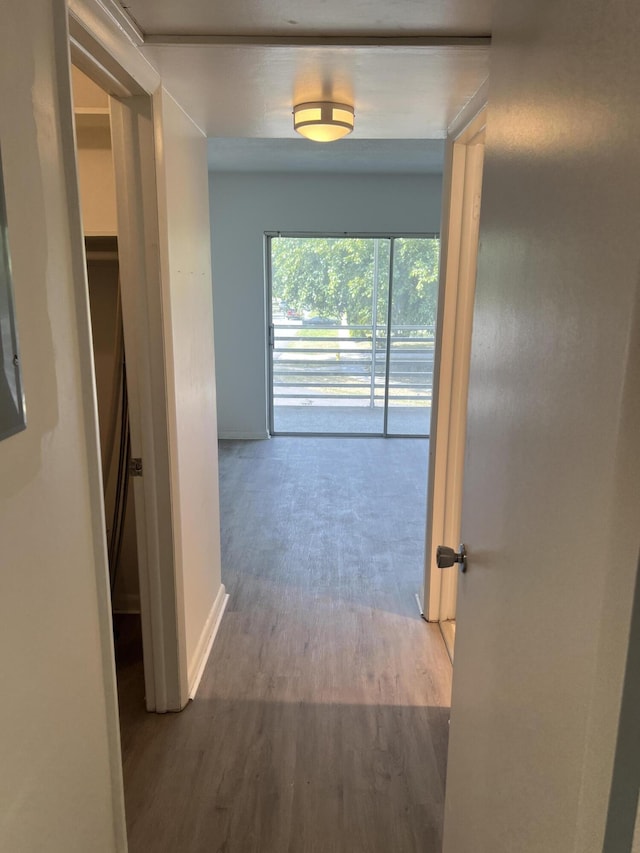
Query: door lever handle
{"x": 447, "y": 557}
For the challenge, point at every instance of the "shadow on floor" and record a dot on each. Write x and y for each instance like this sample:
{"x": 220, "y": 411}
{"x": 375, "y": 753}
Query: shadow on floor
{"x": 321, "y": 722}
{"x": 272, "y": 776}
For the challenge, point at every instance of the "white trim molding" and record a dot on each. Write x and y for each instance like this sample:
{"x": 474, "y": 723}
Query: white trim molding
{"x": 207, "y": 638}
{"x": 91, "y": 448}
{"x": 109, "y": 16}
{"x": 105, "y": 44}
{"x": 239, "y": 435}
{"x": 136, "y": 196}
{"x": 319, "y": 42}
{"x": 459, "y": 247}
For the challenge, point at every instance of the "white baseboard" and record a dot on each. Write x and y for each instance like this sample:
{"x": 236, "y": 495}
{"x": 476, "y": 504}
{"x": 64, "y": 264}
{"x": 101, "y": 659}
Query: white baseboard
{"x": 200, "y": 658}
{"x": 243, "y": 436}
{"x": 128, "y": 603}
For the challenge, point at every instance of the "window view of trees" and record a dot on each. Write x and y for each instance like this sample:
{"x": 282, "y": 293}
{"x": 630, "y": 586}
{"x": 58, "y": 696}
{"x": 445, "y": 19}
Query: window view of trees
{"x": 335, "y": 278}
{"x": 335, "y": 366}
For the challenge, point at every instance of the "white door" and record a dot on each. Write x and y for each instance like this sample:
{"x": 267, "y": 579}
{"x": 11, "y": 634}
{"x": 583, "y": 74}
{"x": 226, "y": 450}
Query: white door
{"x": 551, "y": 503}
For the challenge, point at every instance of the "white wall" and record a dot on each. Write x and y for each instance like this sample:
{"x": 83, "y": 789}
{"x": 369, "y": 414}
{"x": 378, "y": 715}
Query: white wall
{"x": 243, "y": 207}
{"x": 95, "y": 160}
{"x": 552, "y": 499}
{"x": 191, "y": 387}
{"x": 60, "y": 785}
{"x": 97, "y": 182}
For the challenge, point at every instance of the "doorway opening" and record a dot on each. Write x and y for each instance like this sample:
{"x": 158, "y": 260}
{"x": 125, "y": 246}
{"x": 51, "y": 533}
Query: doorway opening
{"x": 98, "y": 203}
{"x": 113, "y": 416}
{"x": 352, "y": 332}
{"x": 98, "y": 206}
{"x": 115, "y": 443}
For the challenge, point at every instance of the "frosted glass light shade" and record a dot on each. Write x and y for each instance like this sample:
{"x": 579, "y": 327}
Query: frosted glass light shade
{"x": 323, "y": 121}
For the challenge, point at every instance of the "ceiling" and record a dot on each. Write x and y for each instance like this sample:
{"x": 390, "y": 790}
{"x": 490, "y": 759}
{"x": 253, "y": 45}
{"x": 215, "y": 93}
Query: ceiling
{"x": 249, "y": 91}
{"x": 238, "y": 66}
{"x": 313, "y": 17}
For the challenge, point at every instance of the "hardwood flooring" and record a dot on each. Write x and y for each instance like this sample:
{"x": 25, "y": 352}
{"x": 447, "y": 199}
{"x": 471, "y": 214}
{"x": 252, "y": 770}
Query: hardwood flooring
{"x": 321, "y": 722}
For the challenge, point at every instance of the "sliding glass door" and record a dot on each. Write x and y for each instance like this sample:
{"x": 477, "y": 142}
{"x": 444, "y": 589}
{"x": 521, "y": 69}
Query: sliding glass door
{"x": 334, "y": 368}
{"x": 414, "y": 301}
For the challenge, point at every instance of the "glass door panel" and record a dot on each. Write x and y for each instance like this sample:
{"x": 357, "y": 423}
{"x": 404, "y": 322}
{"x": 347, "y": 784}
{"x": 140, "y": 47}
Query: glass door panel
{"x": 414, "y": 306}
{"x": 329, "y": 313}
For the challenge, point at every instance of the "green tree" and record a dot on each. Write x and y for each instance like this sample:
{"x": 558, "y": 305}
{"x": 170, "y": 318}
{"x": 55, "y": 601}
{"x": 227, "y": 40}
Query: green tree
{"x": 334, "y": 277}
{"x": 415, "y": 281}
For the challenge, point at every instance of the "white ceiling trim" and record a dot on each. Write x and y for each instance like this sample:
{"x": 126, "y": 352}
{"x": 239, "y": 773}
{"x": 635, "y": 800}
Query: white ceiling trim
{"x": 110, "y": 15}
{"x": 105, "y": 44}
{"x": 318, "y": 41}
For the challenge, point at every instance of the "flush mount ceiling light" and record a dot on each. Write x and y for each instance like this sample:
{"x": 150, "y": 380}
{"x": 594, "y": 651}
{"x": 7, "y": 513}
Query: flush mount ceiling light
{"x": 323, "y": 121}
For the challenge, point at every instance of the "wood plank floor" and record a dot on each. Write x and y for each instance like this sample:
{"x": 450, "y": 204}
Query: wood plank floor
{"x": 321, "y": 722}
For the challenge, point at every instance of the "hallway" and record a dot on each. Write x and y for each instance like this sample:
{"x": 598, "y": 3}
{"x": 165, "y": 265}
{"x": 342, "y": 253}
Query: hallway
{"x": 321, "y": 722}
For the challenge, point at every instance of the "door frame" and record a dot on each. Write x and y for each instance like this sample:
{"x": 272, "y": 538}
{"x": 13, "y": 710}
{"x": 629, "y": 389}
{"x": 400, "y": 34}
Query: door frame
{"x": 458, "y": 261}
{"x": 104, "y": 45}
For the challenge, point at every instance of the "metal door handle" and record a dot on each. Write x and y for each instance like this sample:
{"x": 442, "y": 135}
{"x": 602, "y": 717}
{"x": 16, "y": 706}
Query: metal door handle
{"x": 447, "y": 557}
